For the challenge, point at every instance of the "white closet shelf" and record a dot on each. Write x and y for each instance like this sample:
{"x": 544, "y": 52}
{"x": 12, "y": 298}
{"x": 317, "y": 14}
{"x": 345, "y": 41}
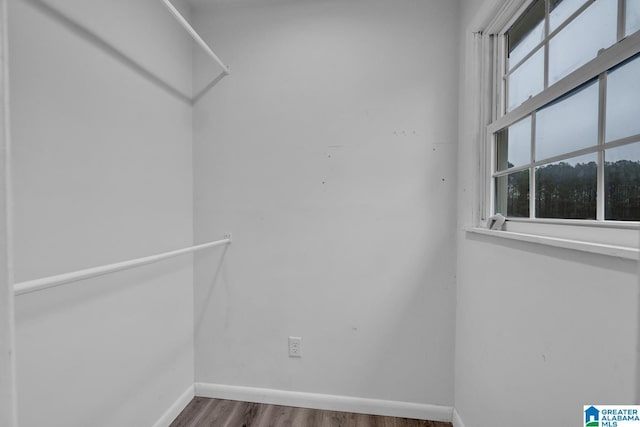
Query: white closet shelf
{"x": 194, "y": 34}
{"x": 62, "y": 279}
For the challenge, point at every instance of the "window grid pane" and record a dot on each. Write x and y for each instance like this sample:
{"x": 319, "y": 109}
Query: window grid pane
{"x": 512, "y": 194}
{"x": 526, "y": 33}
{"x": 567, "y": 189}
{"x": 623, "y": 101}
{"x": 569, "y": 124}
{"x": 633, "y": 17}
{"x": 513, "y": 145}
{"x": 622, "y": 183}
{"x": 560, "y": 10}
{"x": 526, "y": 81}
{"x": 580, "y": 41}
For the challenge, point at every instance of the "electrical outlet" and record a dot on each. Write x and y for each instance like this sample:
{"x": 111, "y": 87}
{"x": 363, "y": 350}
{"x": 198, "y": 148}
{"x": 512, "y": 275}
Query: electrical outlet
{"x": 295, "y": 347}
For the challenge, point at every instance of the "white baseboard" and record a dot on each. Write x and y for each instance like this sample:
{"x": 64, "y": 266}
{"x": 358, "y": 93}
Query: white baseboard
{"x": 167, "y": 418}
{"x": 325, "y": 401}
{"x": 457, "y": 421}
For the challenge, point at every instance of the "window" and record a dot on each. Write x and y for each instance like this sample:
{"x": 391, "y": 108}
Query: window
{"x": 565, "y": 136}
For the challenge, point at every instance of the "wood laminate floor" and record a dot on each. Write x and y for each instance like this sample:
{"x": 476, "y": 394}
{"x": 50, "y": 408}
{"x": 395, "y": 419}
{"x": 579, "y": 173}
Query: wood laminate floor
{"x": 204, "y": 412}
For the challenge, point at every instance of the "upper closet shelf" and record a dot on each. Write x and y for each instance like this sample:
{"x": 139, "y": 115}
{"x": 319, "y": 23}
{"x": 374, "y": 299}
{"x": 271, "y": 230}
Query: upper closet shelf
{"x": 194, "y": 34}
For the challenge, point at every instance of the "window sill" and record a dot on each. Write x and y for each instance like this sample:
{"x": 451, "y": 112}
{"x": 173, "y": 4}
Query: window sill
{"x": 577, "y": 245}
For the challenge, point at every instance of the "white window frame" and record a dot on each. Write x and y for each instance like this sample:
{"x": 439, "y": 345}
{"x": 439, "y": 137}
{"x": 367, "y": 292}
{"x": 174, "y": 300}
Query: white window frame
{"x": 613, "y": 234}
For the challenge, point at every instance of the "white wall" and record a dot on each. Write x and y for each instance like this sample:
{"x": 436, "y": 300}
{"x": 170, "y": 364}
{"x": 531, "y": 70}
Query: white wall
{"x": 8, "y": 405}
{"x": 102, "y": 173}
{"x": 540, "y": 331}
{"x": 330, "y": 154}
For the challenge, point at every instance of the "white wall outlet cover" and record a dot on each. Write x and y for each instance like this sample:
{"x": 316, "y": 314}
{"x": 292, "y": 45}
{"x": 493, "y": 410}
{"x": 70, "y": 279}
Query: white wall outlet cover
{"x": 295, "y": 347}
